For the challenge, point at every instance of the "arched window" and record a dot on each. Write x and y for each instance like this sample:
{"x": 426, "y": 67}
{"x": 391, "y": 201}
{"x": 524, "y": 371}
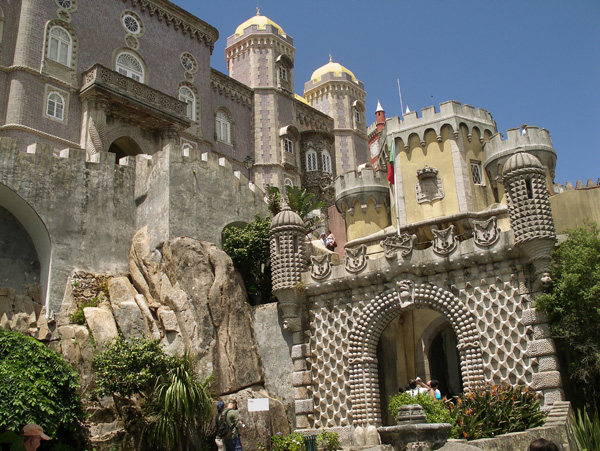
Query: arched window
{"x": 223, "y": 127}
{"x": 326, "y": 162}
{"x": 128, "y": 65}
{"x": 55, "y": 105}
{"x": 311, "y": 160}
{"x": 187, "y": 95}
{"x": 287, "y": 182}
{"x": 60, "y": 46}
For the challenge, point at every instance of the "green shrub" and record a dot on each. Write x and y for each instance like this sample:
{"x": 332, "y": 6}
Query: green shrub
{"x": 77, "y": 317}
{"x": 36, "y": 386}
{"x": 488, "y": 411}
{"x": 586, "y": 430}
{"x": 329, "y": 440}
{"x": 129, "y": 367}
{"x": 292, "y": 442}
{"x": 435, "y": 411}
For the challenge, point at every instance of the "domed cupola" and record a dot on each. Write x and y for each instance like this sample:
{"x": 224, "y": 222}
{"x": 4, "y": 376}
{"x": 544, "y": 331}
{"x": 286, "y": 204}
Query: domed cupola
{"x": 335, "y": 69}
{"x": 287, "y": 249}
{"x": 261, "y": 54}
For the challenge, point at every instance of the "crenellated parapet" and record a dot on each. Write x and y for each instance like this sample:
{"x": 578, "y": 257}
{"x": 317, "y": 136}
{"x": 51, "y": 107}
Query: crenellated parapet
{"x": 532, "y": 140}
{"x": 451, "y": 113}
{"x": 360, "y": 186}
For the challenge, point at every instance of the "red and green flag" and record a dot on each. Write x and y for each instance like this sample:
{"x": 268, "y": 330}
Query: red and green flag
{"x": 390, "y": 175}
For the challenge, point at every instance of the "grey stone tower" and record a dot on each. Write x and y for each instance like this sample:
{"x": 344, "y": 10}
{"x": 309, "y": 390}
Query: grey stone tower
{"x": 287, "y": 264}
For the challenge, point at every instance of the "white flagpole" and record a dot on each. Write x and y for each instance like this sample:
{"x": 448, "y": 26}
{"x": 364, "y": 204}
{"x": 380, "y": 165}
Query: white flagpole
{"x": 400, "y": 94}
{"x": 395, "y": 188}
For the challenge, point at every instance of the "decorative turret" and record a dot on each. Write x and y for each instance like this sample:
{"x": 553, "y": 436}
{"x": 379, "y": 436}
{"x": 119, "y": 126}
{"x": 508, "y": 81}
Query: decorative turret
{"x": 288, "y": 263}
{"x": 261, "y": 54}
{"x": 529, "y": 210}
{"x": 379, "y": 117}
{"x": 335, "y": 91}
{"x": 363, "y": 198}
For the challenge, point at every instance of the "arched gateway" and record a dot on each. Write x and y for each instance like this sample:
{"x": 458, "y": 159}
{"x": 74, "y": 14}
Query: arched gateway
{"x": 377, "y": 314}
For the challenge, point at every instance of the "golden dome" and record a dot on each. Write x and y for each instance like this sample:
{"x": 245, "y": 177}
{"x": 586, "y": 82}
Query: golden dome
{"x": 260, "y": 21}
{"x": 336, "y": 68}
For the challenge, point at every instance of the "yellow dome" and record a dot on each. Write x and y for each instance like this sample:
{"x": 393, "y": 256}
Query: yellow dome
{"x": 336, "y": 68}
{"x": 260, "y": 21}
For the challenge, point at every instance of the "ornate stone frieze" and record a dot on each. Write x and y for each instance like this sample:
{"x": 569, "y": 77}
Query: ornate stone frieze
{"x": 404, "y": 243}
{"x": 444, "y": 241}
{"x": 356, "y": 259}
{"x": 429, "y": 185}
{"x": 486, "y": 233}
{"x": 321, "y": 266}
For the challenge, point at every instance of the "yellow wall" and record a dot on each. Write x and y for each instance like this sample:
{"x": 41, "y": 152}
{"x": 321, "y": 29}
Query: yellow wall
{"x": 574, "y": 207}
{"x": 437, "y": 155}
{"x": 360, "y": 224}
{"x": 481, "y": 196}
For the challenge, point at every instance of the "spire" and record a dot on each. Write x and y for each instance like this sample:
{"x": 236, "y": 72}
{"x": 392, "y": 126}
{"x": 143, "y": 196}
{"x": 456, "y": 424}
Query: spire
{"x": 257, "y": 11}
{"x": 379, "y": 107}
{"x": 330, "y": 58}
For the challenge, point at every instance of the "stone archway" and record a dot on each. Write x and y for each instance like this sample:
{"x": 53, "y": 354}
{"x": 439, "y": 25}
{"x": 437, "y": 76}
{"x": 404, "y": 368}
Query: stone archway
{"x": 37, "y": 231}
{"x": 123, "y": 147}
{"x": 376, "y": 315}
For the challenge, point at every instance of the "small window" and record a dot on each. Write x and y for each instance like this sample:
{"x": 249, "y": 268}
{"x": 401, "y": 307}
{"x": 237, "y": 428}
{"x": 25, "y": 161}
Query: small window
{"x": 132, "y": 23}
{"x": 357, "y": 116}
{"x": 477, "y": 173}
{"x": 55, "y": 106}
{"x": 189, "y": 62}
{"x": 326, "y": 162}
{"x": 66, "y": 4}
{"x": 130, "y": 66}
{"x": 311, "y": 160}
{"x": 288, "y": 145}
{"x": 223, "y": 126}
{"x": 283, "y": 73}
{"x": 59, "y": 46}
{"x": 187, "y": 95}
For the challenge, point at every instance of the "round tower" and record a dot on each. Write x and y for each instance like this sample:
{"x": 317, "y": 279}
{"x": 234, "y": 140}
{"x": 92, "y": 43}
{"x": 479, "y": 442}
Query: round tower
{"x": 529, "y": 210}
{"x": 261, "y": 54}
{"x": 288, "y": 261}
{"x": 335, "y": 91}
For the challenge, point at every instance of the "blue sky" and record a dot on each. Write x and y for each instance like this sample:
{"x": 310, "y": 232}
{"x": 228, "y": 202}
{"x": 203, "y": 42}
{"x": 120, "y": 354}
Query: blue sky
{"x": 529, "y": 61}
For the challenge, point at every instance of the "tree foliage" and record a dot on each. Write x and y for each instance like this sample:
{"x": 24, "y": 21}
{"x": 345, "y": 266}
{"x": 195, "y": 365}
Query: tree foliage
{"x": 129, "y": 367}
{"x": 249, "y": 251}
{"x": 573, "y": 307}
{"x": 300, "y": 201}
{"x": 36, "y": 386}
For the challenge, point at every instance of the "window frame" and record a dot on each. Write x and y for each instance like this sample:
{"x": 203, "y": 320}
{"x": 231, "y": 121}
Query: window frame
{"x": 62, "y": 104}
{"x": 288, "y": 145}
{"x": 128, "y": 72}
{"x": 326, "y": 160}
{"x": 311, "y": 166}
{"x": 61, "y": 46}
{"x": 191, "y": 104}
{"x": 475, "y": 165}
{"x": 223, "y": 127}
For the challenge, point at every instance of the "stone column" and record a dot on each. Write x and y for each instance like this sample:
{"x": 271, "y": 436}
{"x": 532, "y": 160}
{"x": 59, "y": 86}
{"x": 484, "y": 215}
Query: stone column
{"x": 543, "y": 352}
{"x": 93, "y": 130}
{"x": 169, "y": 137}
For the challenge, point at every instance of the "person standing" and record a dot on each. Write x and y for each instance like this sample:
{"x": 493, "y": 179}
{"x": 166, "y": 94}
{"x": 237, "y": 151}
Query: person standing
{"x": 232, "y": 416}
{"x": 330, "y": 243}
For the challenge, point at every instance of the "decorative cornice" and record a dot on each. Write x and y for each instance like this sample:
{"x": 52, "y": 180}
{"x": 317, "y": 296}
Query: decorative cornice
{"x": 25, "y": 128}
{"x": 43, "y": 77}
{"x": 229, "y": 87}
{"x": 180, "y": 19}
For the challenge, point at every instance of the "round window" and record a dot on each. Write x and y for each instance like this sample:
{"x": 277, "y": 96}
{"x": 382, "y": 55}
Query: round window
{"x": 188, "y": 62}
{"x": 65, "y": 4}
{"x": 131, "y": 24}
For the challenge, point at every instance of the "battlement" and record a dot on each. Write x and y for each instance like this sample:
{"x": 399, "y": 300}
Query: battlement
{"x": 45, "y": 156}
{"x": 579, "y": 185}
{"x": 361, "y": 185}
{"x": 266, "y": 31}
{"x": 535, "y": 141}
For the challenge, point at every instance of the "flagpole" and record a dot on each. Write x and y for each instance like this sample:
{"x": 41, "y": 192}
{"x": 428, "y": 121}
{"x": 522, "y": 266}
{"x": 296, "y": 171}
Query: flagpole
{"x": 400, "y": 95}
{"x": 395, "y": 188}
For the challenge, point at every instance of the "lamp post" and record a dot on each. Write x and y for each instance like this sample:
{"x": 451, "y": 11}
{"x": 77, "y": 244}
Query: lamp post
{"x": 248, "y": 163}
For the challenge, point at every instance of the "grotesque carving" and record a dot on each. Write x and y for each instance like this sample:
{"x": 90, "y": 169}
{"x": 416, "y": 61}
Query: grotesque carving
{"x": 356, "y": 259}
{"x": 403, "y": 243}
{"x": 405, "y": 292}
{"x": 444, "y": 241}
{"x": 486, "y": 233}
{"x": 321, "y": 267}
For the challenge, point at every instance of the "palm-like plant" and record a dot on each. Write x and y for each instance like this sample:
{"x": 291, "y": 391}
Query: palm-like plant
{"x": 300, "y": 201}
{"x": 586, "y": 429}
{"x": 180, "y": 404}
